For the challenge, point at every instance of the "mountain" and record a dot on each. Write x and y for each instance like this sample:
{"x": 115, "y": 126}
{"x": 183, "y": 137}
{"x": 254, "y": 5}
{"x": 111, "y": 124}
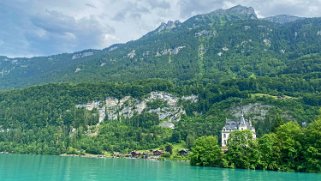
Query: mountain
{"x": 282, "y": 19}
{"x": 220, "y": 45}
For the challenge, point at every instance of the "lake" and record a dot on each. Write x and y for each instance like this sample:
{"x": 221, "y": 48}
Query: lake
{"x": 56, "y": 168}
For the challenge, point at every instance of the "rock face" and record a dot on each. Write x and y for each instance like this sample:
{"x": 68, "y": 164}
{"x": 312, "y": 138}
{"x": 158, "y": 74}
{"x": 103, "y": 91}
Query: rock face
{"x": 242, "y": 10}
{"x": 257, "y": 110}
{"x": 82, "y": 55}
{"x": 168, "y": 26}
{"x": 174, "y": 51}
{"x": 236, "y": 11}
{"x": 131, "y": 54}
{"x": 169, "y": 111}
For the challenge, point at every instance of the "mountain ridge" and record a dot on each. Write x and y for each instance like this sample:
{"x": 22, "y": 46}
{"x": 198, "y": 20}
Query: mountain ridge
{"x": 238, "y": 8}
{"x": 202, "y": 47}
{"x": 284, "y": 18}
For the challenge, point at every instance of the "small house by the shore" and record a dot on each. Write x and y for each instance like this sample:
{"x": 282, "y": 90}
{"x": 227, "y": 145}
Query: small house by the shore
{"x": 183, "y": 152}
{"x": 158, "y": 152}
{"x": 135, "y": 154}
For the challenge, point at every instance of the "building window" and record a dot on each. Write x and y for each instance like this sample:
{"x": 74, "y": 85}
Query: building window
{"x": 224, "y": 135}
{"x": 224, "y": 142}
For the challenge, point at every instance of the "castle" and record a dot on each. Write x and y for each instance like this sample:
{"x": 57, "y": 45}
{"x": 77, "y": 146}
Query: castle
{"x": 231, "y": 126}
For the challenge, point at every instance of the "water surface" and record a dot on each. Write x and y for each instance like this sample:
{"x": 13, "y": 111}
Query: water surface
{"x": 56, "y": 168}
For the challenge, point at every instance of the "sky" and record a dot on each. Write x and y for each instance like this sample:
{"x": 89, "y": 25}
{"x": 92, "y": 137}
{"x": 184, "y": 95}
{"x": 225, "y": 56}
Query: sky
{"x": 46, "y": 27}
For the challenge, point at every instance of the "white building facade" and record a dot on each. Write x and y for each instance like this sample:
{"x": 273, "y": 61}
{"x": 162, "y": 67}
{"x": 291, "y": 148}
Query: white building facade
{"x": 231, "y": 126}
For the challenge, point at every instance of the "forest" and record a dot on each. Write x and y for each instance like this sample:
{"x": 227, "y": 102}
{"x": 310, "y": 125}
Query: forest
{"x": 45, "y": 120}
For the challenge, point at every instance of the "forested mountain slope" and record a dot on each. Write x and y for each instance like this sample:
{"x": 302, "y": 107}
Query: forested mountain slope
{"x": 52, "y": 118}
{"x": 214, "y": 47}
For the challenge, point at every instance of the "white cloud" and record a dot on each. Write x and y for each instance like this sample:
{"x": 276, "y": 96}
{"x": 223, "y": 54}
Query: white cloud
{"x": 91, "y": 5}
{"x": 108, "y": 38}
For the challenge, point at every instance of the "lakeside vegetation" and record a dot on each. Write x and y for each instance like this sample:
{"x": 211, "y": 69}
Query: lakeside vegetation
{"x": 289, "y": 148}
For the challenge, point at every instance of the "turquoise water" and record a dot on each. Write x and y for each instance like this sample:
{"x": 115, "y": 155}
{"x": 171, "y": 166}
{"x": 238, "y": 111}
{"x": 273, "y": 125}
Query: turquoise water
{"x": 55, "y": 168}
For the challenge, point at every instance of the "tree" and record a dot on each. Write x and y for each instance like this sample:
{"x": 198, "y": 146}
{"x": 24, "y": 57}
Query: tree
{"x": 269, "y": 149}
{"x": 190, "y": 140}
{"x": 312, "y": 147}
{"x": 242, "y": 150}
{"x": 289, "y": 136}
{"x": 169, "y": 148}
{"x": 206, "y": 152}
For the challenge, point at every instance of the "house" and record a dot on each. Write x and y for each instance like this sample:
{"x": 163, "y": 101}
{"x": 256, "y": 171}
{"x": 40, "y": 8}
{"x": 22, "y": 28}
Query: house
{"x": 157, "y": 152}
{"x": 239, "y": 125}
{"x": 135, "y": 154}
{"x": 183, "y": 152}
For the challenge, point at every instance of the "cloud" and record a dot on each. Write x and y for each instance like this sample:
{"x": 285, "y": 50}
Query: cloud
{"x": 131, "y": 10}
{"x": 192, "y": 7}
{"x": 163, "y": 4}
{"x": 54, "y": 28}
{"x": 90, "y": 5}
{"x": 33, "y": 27}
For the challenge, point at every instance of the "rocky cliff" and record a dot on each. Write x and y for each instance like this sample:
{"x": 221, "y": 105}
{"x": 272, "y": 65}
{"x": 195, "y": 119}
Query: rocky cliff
{"x": 167, "y": 106}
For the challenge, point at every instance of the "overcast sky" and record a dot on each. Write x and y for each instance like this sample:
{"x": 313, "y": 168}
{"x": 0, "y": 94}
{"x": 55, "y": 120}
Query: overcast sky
{"x": 46, "y": 27}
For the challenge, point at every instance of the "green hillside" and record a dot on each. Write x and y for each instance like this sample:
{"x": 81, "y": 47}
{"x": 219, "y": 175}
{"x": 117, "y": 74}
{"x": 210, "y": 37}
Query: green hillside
{"x": 214, "y": 47}
{"x": 46, "y": 119}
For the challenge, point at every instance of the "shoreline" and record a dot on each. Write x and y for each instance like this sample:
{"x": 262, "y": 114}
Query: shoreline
{"x": 122, "y": 157}
{"x": 102, "y": 156}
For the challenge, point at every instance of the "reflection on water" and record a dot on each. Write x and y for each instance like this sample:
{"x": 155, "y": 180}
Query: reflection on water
{"x": 55, "y": 168}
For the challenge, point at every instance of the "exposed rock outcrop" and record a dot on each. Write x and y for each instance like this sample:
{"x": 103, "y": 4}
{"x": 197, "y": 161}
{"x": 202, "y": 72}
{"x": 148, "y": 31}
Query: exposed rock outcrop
{"x": 169, "y": 112}
{"x": 170, "y": 51}
{"x": 82, "y": 55}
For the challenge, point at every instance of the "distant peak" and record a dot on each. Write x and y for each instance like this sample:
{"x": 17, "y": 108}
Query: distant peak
{"x": 170, "y": 23}
{"x": 239, "y": 11}
{"x": 168, "y": 26}
{"x": 281, "y": 19}
{"x": 242, "y": 10}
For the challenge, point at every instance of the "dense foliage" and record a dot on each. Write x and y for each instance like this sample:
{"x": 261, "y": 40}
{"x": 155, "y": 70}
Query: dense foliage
{"x": 290, "y": 148}
{"x": 206, "y": 152}
{"x": 44, "y": 119}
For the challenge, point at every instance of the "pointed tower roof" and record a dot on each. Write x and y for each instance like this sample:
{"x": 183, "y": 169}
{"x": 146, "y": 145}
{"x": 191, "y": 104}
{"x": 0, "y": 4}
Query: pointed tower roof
{"x": 242, "y": 121}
